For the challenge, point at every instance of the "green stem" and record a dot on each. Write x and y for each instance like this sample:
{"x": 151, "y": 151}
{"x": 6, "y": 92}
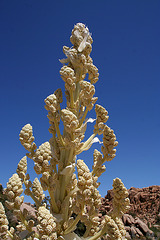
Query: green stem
{"x": 73, "y": 225}
{"x": 59, "y": 109}
{"x": 10, "y": 234}
{"x": 96, "y": 236}
{"x": 62, "y": 189}
{"x": 54, "y": 205}
{"x": 104, "y": 158}
{"x": 83, "y": 118}
{"x": 65, "y": 180}
{"x": 24, "y": 221}
{"x": 71, "y": 99}
{"x": 66, "y": 158}
{"x": 37, "y": 235}
{"x": 76, "y": 97}
{"x": 100, "y": 233}
{"x": 62, "y": 178}
{"x": 57, "y": 192}
{"x": 67, "y": 198}
{"x": 55, "y": 144}
{"x": 58, "y": 132}
{"x": 77, "y": 91}
{"x": 60, "y": 168}
{"x": 35, "y": 200}
{"x": 66, "y": 210}
{"x": 87, "y": 230}
{"x": 70, "y": 158}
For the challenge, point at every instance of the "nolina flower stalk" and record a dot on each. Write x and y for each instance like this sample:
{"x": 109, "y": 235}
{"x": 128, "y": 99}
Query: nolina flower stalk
{"x": 73, "y": 198}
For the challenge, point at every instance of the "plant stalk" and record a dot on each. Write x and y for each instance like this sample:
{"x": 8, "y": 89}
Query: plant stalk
{"x": 54, "y": 205}
{"x": 73, "y": 225}
{"x": 83, "y": 118}
{"x": 58, "y": 132}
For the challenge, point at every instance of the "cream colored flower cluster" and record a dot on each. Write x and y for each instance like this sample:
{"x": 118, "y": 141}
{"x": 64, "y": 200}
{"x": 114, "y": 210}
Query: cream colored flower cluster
{"x": 109, "y": 143}
{"x": 112, "y": 225}
{"x": 3, "y": 222}
{"x": 111, "y": 228}
{"x": 121, "y": 200}
{"x": 70, "y": 120}
{"x": 47, "y": 224}
{"x": 72, "y": 197}
{"x": 22, "y": 168}
{"x": 26, "y": 138}
{"x": 88, "y": 198}
{"x": 102, "y": 117}
{"x": 86, "y": 94}
{"x": 42, "y": 157}
{"x": 37, "y": 190}
{"x": 13, "y": 191}
{"x": 98, "y": 168}
{"x": 68, "y": 76}
{"x": 51, "y": 103}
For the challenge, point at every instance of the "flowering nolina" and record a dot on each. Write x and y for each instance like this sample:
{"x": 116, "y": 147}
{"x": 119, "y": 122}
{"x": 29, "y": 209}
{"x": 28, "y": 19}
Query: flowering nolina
{"x": 73, "y": 198}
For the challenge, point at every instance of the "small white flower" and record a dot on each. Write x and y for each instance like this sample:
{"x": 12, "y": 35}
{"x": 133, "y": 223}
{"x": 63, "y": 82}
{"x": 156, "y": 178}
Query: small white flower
{"x": 83, "y": 43}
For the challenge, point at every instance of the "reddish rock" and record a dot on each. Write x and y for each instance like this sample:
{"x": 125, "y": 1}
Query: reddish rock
{"x": 139, "y": 232}
{"x": 127, "y": 228}
{"x": 144, "y": 204}
{"x": 128, "y": 220}
{"x": 142, "y": 226}
{"x": 31, "y": 211}
{"x": 133, "y": 232}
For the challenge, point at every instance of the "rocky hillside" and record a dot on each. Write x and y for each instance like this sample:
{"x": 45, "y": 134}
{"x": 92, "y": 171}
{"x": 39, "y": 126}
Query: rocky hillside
{"x": 144, "y": 213}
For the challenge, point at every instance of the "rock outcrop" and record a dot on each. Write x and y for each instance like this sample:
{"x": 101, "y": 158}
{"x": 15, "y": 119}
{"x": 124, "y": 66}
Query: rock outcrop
{"x": 144, "y": 211}
{"x": 145, "y": 203}
{"x": 136, "y": 228}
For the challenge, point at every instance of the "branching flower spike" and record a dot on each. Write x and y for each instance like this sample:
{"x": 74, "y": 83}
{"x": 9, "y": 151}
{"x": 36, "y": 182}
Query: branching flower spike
{"x": 73, "y": 198}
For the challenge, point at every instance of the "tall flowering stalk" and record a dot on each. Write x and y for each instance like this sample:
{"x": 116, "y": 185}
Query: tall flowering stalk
{"x": 73, "y": 198}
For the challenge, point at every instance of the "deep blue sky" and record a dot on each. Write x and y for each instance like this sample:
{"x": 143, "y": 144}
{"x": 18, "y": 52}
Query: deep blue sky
{"x": 126, "y": 50}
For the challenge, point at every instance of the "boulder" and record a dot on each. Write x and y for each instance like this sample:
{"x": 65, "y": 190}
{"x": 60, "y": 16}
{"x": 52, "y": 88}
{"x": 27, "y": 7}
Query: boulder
{"x": 141, "y": 225}
{"x": 128, "y": 220}
{"x": 31, "y": 211}
{"x": 133, "y": 232}
{"x": 138, "y": 231}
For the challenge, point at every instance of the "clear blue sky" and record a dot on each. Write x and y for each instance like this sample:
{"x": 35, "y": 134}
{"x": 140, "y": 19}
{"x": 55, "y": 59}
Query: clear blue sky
{"x": 126, "y": 50}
